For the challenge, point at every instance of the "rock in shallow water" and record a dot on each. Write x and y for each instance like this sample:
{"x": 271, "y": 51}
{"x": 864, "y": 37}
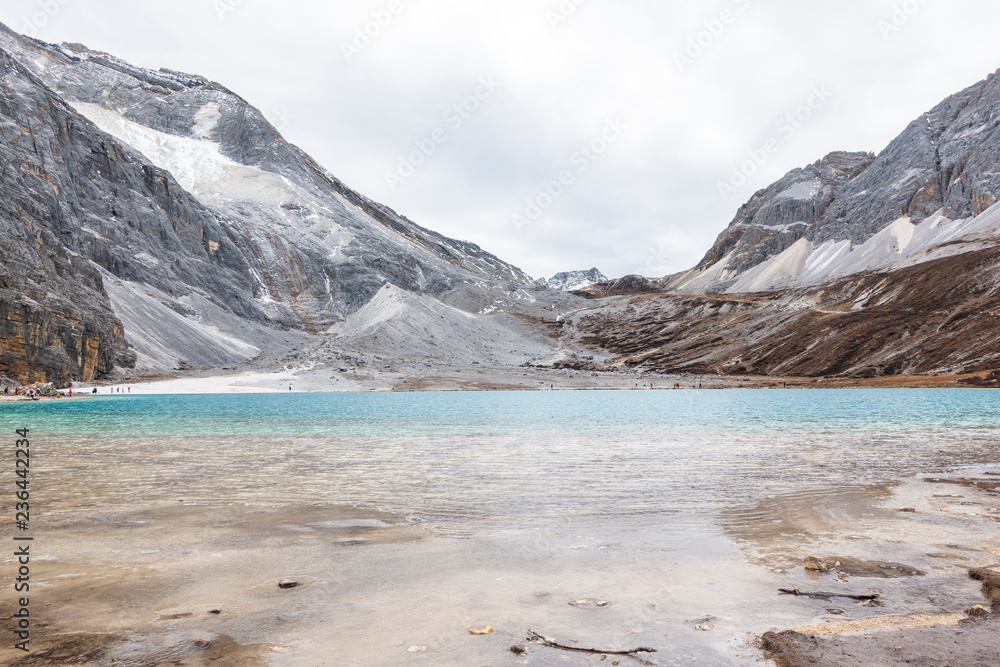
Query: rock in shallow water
{"x": 819, "y": 565}
{"x": 589, "y": 602}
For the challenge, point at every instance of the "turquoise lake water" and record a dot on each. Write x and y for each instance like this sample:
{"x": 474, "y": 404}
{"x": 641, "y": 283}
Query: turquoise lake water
{"x": 474, "y": 461}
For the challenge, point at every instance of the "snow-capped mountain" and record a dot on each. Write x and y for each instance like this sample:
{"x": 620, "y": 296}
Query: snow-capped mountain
{"x": 157, "y": 217}
{"x": 922, "y": 197}
{"x": 573, "y": 280}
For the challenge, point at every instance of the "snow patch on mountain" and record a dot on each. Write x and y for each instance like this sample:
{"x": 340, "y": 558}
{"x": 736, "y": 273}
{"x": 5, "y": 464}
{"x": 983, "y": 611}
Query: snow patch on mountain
{"x": 806, "y": 263}
{"x": 898, "y": 245}
{"x": 197, "y": 164}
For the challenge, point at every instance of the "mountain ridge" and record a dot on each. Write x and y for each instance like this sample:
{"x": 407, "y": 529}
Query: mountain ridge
{"x": 940, "y": 165}
{"x": 203, "y": 223}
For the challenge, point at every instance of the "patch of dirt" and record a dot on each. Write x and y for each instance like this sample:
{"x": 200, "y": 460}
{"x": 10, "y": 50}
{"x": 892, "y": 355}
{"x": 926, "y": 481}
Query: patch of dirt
{"x": 873, "y": 569}
{"x": 988, "y": 485}
{"x": 920, "y": 641}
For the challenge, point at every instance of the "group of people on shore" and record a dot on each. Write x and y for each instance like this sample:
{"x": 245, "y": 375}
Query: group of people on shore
{"x": 33, "y": 391}
{"x": 49, "y": 390}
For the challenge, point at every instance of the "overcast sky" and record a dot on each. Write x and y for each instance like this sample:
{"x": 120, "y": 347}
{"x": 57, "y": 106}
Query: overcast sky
{"x": 641, "y": 109}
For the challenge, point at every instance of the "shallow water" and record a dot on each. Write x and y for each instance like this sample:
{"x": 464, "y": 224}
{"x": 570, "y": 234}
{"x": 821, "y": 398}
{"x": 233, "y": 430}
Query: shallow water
{"x": 671, "y": 504}
{"x": 496, "y": 460}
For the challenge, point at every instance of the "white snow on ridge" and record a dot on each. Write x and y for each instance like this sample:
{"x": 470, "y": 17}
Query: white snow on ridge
{"x": 899, "y": 245}
{"x": 197, "y": 165}
{"x": 200, "y": 168}
{"x": 780, "y": 271}
{"x": 581, "y": 283}
{"x": 219, "y": 182}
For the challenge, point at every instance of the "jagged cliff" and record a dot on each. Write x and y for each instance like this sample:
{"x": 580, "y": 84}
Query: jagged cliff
{"x": 56, "y": 322}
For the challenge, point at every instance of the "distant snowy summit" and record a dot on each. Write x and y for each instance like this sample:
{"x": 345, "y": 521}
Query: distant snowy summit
{"x": 573, "y": 280}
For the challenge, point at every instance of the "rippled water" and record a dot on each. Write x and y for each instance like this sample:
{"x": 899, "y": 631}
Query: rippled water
{"x": 499, "y": 459}
{"x": 672, "y": 505}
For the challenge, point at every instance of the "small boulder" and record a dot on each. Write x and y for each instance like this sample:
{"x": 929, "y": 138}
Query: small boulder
{"x": 589, "y": 602}
{"x": 814, "y": 564}
{"x": 979, "y": 611}
{"x": 288, "y": 583}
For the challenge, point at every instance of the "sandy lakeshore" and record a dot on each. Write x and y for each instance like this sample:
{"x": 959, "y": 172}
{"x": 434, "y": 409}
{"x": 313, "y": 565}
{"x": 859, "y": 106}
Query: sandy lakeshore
{"x": 417, "y": 377}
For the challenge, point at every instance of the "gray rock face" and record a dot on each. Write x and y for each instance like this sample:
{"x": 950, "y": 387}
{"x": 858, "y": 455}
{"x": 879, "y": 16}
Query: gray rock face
{"x": 943, "y": 161}
{"x": 55, "y": 319}
{"x": 573, "y": 280}
{"x": 788, "y": 210}
{"x": 174, "y": 184}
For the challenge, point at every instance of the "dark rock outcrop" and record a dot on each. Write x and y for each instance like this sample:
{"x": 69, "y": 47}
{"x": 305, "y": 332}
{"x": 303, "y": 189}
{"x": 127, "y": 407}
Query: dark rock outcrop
{"x": 56, "y": 323}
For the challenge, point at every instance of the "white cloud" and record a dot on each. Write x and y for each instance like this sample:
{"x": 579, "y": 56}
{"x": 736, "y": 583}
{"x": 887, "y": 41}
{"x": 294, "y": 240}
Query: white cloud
{"x": 654, "y": 193}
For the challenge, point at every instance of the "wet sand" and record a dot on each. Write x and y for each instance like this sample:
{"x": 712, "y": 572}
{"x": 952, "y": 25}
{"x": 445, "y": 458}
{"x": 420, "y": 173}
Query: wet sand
{"x": 137, "y": 585}
{"x": 185, "y": 584}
